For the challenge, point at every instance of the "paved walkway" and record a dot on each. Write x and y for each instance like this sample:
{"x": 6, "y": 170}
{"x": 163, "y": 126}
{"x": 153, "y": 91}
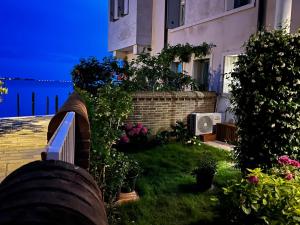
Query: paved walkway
{"x": 22, "y": 140}
{"x": 220, "y": 144}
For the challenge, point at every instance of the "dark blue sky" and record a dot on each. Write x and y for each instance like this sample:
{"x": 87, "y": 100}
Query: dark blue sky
{"x": 43, "y": 39}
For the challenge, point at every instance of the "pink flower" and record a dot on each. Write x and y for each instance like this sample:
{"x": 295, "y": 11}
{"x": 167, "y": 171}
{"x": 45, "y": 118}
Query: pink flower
{"x": 284, "y": 160}
{"x": 124, "y": 139}
{"x": 295, "y": 163}
{"x": 128, "y": 127}
{"x": 139, "y": 125}
{"x": 289, "y": 176}
{"x": 144, "y": 130}
{"x": 131, "y": 133}
{"x": 253, "y": 179}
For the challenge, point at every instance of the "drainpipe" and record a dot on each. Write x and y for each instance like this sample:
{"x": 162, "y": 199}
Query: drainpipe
{"x": 166, "y": 25}
{"x": 261, "y": 15}
{"x": 283, "y": 15}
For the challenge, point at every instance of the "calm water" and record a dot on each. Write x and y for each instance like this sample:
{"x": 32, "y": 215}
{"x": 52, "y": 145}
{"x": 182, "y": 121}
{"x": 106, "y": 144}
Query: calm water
{"x": 42, "y": 89}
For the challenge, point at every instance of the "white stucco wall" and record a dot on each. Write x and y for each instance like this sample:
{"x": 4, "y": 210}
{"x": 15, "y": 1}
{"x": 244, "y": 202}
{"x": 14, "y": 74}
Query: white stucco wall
{"x": 132, "y": 29}
{"x": 122, "y": 33}
{"x": 158, "y": 26}
{"x": 228, "y": 32}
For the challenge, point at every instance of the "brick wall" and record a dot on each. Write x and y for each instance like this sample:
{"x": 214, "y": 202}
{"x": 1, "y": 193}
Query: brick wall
{"x": 158, "y": 110}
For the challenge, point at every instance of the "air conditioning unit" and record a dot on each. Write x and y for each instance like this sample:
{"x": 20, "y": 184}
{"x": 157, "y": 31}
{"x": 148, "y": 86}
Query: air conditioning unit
{"x": 203, "y": 123}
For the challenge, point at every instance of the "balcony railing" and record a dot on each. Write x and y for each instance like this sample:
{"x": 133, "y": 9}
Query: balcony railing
{"x": 61, "y": 146}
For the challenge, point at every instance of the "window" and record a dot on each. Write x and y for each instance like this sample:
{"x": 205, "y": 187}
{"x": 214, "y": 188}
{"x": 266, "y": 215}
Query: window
{"x": 123, "y": 7}
{"x": 233, "y": 4}
{"x": 175, "y": 13}
{"x": 229, "y": 65}
{"x": 177, "y": 67}
{"x": 201, "y": 73}
{"x": 118, "y": 8}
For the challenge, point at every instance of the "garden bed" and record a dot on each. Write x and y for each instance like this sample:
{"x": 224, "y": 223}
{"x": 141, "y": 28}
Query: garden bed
{"x": 168, "y": 192}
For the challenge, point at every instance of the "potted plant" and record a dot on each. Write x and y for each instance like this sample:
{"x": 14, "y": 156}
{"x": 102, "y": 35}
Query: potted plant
{"x": 205, "y": 172}
{"x": 131, "y": 176}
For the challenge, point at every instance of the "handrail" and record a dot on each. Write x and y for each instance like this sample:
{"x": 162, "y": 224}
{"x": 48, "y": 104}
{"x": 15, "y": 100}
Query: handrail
{"x": 61, "y": 146}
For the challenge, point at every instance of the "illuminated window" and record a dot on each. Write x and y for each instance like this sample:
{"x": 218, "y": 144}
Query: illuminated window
{"x": 229, "y": 65}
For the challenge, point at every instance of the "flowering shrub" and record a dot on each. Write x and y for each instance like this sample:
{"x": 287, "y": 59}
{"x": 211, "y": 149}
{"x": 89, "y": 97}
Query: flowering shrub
{"x": 269, "y": 198}
{"x": 265, "y": 94}
{"x": 134, "y": 134}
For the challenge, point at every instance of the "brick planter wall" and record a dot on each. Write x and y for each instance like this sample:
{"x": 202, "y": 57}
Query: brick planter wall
{"x": 158, "y": 110}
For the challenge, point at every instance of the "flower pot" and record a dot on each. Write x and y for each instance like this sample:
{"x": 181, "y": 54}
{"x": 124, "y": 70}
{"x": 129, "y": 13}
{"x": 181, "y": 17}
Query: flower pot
{"x": 204, "y": 181}
{"x": 127, "y": 197}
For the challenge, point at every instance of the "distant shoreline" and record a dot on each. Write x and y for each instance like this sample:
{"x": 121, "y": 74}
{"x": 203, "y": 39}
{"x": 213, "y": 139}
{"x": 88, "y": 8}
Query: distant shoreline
{"x": 31, "y": 79}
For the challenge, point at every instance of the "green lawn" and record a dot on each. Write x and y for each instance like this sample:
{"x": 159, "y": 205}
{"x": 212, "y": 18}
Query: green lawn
{"x": 167, "y": 189}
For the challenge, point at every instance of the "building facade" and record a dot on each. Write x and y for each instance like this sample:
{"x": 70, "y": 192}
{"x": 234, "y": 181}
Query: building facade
{"x": 137, "y": 26}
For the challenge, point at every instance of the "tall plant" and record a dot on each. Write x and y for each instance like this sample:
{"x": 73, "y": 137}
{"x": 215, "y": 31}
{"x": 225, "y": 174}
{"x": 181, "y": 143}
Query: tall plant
{"x": 266, "y": 99}
{"x": 3, "y": 90}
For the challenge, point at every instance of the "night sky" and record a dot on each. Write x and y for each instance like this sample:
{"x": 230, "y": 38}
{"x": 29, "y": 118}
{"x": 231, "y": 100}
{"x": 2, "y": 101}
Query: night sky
{"x": 43, "y": 39}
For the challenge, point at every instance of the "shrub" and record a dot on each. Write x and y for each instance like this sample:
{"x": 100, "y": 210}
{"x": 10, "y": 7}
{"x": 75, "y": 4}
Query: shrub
{"x": 108, "y": 109}
{"x": 206, "y": 166}
{"x": 163, "y": 137}
{"x": 90, "y": 74}
{"x": 180, "y": 132}
{"x": 153, "y": 73}
{"x": 265, "y": 95}
{"x": 266, "y": 198}
{"x": 116, "y": 167}
{"x": 134, "y": 134}
{"x": 3, "y": 90}
{"x": 133, "y": 172}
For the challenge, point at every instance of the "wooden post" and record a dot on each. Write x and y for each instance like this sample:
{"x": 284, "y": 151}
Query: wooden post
{"x": 56, "y": 103}
{"x": 18, "y": 104}
{"x": 32, "y": 103}
{"x": 47, "y": 105}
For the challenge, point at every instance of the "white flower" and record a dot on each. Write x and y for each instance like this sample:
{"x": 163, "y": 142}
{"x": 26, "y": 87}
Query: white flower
{"x": 273, "y": 125}
{"x": 253, "y": 81}
{"x": 278, "y": 79}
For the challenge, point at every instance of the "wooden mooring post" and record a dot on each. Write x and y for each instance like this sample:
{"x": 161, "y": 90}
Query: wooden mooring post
{"x": 18, "y": 104}
{"x": 56, "y": 103}
{"x": 33, "y": 103}
{"x": 47, "y": 105}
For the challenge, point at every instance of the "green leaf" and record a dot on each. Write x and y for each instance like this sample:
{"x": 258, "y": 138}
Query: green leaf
{"x": 246, "y": 210}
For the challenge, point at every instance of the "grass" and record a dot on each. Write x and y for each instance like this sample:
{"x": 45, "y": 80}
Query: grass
{"x": 167, "y": 188}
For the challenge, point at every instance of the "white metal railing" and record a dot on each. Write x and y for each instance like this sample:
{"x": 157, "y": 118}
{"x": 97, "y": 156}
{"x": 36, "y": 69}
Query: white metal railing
{"x": 62, "y": 144}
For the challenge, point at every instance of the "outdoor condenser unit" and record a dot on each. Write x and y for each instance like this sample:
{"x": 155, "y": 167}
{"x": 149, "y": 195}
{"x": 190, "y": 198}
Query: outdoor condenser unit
{"x": 202, "y": 123}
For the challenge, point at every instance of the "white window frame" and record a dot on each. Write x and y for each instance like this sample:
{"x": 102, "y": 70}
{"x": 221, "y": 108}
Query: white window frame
{"x": 225, "y": 73}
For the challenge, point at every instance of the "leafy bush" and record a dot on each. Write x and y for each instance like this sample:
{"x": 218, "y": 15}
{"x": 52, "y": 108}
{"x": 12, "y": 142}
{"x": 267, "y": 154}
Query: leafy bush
{"x": 180, "y": 132}
{"x": 266, "y": 99}
{"x": 133, "y": 172}
{"x": 115, "y": 170}
{"x": 3, "y": 90}
{"x": 108, "y": 109}
{"x": 153, "y": 73}
{"x": 134, "y": 134}
{"x": 90, "y": 74}
{"x": 266, "y": 198}
{"x": 206, "y": 166}
{"x": 163, "y": 137}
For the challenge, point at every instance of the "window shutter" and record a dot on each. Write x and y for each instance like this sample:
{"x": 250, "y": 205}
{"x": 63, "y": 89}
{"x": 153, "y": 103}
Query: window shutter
{"x": 121, "y": 7}
{"x": 173, "y": 13}
{"x": 111, "y": 9}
